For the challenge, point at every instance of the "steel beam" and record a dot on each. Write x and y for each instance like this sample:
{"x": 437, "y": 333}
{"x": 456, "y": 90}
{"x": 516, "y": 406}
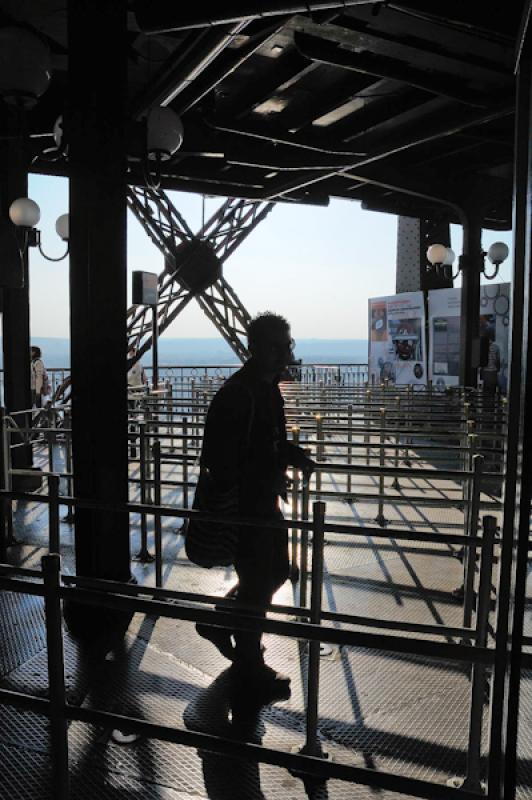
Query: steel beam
{"x": 153, "y": 17}
{"x": 472, "y": 262}
{"x": 182, "y": 69}
{"x": 14, "y": 278}
{"x": 331, "y": 53}
{"x": 225, "y": 231}
{"x": 96, "y": 115}
{"x": 515, "y": 554}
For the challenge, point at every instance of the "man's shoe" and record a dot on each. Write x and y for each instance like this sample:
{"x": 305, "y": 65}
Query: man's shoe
{"x": 220, "y": 637}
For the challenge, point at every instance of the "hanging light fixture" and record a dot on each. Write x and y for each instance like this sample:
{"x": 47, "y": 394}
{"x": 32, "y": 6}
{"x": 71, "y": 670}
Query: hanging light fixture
{"x": 25, "y": 66}
{"x": 164, "y": 137}
{"x": 497, "y": 253}
{"x": 441, "y": 257}
{"x": 25, "y": 214}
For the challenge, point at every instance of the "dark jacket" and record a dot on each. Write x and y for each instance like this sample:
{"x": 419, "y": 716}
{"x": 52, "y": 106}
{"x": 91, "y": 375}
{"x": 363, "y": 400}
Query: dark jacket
{"x": 245, "y": 441}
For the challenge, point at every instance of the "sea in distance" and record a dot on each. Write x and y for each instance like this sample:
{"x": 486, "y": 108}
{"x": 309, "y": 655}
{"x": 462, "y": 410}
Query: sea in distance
{"x": 56, "y": 352}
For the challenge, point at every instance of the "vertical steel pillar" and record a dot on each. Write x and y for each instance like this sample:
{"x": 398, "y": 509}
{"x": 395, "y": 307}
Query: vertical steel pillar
{"x": 14, "y": 275}
{"x": 471, "y": 262}
{"x": 517, "y": 493}
{"x": 95, "y": 121}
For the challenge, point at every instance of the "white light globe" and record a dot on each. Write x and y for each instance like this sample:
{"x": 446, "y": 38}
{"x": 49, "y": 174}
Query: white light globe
{"x": 61, "y": 227}
{"x": 437, "y": 253}
{"x": 24, "y": 212}
{"x": 498, "y": 252}
{"x": 449, "y": 257}
{"x": 165, "y": 133}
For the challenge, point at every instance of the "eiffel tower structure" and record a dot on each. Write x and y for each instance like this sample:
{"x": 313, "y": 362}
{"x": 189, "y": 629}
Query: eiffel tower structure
{"x": 193, "y": 265}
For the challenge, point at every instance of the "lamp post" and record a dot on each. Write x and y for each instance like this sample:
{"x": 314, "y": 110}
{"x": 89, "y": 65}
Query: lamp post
{"x": 25, "y": 214}
{"x": 441, "y": 257}
{"x": 472, "y": 263}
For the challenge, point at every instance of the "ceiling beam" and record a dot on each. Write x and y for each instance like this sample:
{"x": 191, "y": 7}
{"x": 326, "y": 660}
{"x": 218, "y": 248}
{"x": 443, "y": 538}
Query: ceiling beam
{"x": 438, "y": 132}
{"x": 276, "y": 136}
{"x": 369, "y": 63}
{"x": 163, "y": 17}
{"x": 284, "y": 71}
{"x": 226, "y": 64}
{"x": 451, "y": 54}
{"x": 182, "y": 68}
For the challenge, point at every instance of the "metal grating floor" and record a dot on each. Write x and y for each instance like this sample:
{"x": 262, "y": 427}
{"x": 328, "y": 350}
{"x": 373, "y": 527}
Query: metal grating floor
{"x": 399, "y": 714}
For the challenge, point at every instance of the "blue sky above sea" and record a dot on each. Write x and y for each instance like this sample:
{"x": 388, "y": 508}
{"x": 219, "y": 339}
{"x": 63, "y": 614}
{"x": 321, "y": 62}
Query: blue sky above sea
{"x": 214, "y": 351}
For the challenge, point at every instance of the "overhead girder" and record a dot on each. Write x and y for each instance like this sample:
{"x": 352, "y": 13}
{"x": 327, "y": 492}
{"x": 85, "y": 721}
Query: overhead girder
{"x": 181, "y": 70}
{"x": 223, "y": 233}
{"x": 319, "y": 50}
{"x": 162, "y": 17}
{"x": 281, "y": 186}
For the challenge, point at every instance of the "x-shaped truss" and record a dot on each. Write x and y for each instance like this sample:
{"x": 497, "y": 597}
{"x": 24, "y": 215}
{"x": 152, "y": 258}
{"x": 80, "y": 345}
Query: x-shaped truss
{"x": 167, "y": 229}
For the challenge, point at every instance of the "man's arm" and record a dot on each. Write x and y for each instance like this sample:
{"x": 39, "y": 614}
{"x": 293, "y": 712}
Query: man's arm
{"x": 296, "y": 457}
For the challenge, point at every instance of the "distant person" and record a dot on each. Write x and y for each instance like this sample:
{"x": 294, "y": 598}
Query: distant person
{"x": 245, "y": 446}
{"x": 490, "y": 372}
{"x": 136, "y": 374}
{"x": 40, "y": 386}
{"x": 63, "y": 393}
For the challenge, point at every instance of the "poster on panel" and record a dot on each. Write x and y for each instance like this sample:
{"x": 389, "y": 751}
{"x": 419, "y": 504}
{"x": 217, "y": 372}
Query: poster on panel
{"x": 397, "y": 339}
{"x": 444, "y": 335}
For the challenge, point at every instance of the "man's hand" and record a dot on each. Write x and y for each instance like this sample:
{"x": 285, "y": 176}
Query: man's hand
{"x": 307, "y": 469}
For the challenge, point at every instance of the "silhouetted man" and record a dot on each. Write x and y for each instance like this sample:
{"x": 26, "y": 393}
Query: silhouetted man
{"x": 245, "y": 445}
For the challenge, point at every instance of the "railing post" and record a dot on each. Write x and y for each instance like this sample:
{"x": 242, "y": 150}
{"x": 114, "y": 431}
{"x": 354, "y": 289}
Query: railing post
{"x": 303, "y": 558}
{"x": 472, "y": 512}
{"x": 56, "y": 676}
{"x": 312, "y": 744}
{"x": 184, "y": 470}
{"x": 367, "y": 424}
{"x": 472, "y": 781}
{"x": 409, "y": 417}
{"x": 143, "y": 554}
{"x": 5, "y": 483}
{"x": 54, "y": 541}
{"x": 157, "y": 526}
{"x": 50, "y": 438}
{"x": 170, "y": 410}
{"x": 294, "y": 570}
{"x": 396, "y": 484}
{"x": 349, "y": 446}
{"x": 319, "y": 436}
{"x": 69, "y": 517}
{"x": 380, "y": 518}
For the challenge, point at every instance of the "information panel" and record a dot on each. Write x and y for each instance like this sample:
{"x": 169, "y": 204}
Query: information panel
{"x": 444, "y": 334}
{"x": 397, "y": 350}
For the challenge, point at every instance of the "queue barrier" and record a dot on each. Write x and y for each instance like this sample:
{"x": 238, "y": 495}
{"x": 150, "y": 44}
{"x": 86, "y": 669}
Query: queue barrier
{"x": 126, "y": 597}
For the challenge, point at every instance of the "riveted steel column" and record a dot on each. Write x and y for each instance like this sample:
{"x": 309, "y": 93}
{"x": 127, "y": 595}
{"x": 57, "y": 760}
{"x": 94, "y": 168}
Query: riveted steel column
{"x": 14, "y": 273}
{"x": 517, "y": 492}
{"x": 95, "y": 127}
{"x": 471, "y": 262}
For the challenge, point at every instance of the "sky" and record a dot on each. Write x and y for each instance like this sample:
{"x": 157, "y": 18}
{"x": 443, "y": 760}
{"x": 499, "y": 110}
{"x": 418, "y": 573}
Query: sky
{"x": 316, "y": 266}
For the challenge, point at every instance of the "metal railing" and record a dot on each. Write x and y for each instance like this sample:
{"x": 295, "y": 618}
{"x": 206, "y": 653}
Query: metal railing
{"x": 306, "y": 624}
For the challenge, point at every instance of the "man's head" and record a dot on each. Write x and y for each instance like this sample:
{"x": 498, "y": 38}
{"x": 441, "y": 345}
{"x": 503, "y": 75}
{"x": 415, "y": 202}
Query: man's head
{"x": 35, "y": 352}
{"x": 270, "y": 342}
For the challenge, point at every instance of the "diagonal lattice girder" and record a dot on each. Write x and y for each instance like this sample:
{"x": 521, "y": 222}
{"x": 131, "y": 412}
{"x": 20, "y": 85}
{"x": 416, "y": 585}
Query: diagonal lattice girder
{"x": 167, "y": 229}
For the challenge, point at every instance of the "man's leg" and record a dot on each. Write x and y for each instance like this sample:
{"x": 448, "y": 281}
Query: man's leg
{"x": 261, "y": 570}
{"x": 222, "y": 638}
